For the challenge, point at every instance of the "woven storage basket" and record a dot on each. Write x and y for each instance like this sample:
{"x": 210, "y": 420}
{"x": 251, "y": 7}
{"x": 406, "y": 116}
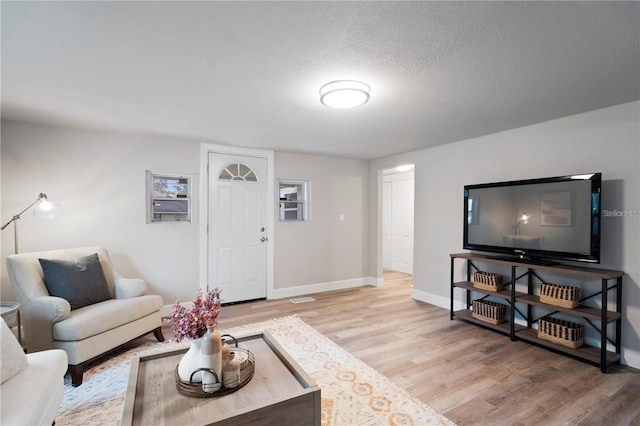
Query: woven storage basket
{"x": 559, "y": 295}
{"x": 487, "y": 281}
{"x": 565, "y": 333}
{"x": 487, "y": 311}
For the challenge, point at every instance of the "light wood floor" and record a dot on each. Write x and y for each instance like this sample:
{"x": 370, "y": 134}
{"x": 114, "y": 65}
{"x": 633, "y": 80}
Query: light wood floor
{"x": 471, "y": 375}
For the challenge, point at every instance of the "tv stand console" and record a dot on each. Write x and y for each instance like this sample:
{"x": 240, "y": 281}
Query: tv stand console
{"x": 603, "y": 314}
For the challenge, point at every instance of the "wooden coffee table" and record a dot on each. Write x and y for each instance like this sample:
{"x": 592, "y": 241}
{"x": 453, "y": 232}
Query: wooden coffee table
{"x": 280, "y": 392}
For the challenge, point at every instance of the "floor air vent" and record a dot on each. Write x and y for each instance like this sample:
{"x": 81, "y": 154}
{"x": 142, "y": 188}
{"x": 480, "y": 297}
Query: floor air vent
{"x": 302, "y": 300}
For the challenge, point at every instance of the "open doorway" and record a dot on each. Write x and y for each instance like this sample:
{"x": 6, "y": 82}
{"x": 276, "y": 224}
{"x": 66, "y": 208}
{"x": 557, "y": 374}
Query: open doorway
{"x": 397, "y": 219}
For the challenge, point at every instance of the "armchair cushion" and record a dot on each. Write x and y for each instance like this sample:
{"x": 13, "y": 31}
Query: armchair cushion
{"x": 80, "y": 281}
{"x": 100, "y": 317}
{"x": 12, "y": 357}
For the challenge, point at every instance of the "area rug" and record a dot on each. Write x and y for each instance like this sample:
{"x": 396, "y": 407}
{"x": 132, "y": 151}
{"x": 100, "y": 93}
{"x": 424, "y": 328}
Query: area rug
{"x": 352, "y": 393}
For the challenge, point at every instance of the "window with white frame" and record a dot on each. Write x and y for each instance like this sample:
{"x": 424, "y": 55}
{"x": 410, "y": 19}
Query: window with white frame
{"x": 294, "y": 200}
{"x": 168, "y": 197}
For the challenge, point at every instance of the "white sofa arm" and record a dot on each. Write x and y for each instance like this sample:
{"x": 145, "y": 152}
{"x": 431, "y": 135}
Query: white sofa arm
{"x": 53, "y": 308}
{"x": 38, "y": 318}
{"x": 127, "y": 288}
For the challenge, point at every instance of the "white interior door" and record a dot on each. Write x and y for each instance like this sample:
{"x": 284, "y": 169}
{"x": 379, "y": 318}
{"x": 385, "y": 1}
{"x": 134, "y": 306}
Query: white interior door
{"x": 237, "y": 249}
{"x": 397, "y": 221}
{"x": 386, "y": 225}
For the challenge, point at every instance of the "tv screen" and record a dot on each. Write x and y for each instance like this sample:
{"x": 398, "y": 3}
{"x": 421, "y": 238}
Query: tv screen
{"x": 548, "y": 218}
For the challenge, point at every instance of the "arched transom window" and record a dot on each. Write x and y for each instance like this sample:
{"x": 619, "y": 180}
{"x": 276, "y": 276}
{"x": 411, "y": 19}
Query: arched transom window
{"x": 238, "y": 171}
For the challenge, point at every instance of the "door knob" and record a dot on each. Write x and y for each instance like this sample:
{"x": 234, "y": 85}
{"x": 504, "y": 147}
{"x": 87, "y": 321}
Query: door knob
{"x": 263, "y": 239}
{"x": 262, "y": 229}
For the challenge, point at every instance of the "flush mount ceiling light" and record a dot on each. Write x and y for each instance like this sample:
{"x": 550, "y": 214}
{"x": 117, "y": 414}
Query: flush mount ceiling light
{"x": 344, "y": 94}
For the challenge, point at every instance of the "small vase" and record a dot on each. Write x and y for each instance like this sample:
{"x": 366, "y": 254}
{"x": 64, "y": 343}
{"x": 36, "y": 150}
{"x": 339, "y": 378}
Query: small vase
{"x": 190, "y": 362}
{"x": 211, "y": 359}
{"x": 231, "y": 372}
{"x": 226, "y": 353}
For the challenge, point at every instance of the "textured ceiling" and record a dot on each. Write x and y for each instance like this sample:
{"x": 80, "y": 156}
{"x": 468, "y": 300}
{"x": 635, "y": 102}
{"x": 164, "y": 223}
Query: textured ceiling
{"x": 248, "y": 73}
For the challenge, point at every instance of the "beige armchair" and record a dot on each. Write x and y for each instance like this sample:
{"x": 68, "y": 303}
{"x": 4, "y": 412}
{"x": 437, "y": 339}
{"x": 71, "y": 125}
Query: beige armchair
{"x": 85, "y": 332}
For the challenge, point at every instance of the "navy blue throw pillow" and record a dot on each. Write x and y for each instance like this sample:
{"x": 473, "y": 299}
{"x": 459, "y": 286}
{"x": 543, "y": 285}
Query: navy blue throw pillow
{"x": 80, "y": 281}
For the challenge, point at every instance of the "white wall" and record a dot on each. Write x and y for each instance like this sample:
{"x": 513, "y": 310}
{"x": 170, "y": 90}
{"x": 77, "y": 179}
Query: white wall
{"x": 324, "y": 253}
{"x": 99, "y": 178}
{"x": 606, "y": 140}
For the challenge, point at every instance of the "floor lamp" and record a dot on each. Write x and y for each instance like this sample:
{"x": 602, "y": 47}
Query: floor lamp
{"x": 44, "y": 208}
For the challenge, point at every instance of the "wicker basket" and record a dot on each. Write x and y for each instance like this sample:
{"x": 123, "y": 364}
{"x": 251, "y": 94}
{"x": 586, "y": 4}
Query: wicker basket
{"x": 487, "y": 311}
{"x": 565, "y": 333}
{"x": 559, "y": 295}
{"x": 487, "y": 281}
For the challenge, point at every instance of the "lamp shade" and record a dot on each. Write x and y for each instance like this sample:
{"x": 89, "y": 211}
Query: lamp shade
{"x": 344, "y": 94}
{"x": 45, "y": 209}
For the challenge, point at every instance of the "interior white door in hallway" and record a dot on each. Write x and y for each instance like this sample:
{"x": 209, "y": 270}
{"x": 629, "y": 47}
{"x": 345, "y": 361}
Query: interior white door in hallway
{"x": 398, "y": 222}
{"x": 237, "y": 249}
{"x": 386, "y": 225}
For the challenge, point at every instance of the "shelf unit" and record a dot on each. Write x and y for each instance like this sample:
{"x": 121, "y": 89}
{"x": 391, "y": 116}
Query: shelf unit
{"x": 524, "y": 302}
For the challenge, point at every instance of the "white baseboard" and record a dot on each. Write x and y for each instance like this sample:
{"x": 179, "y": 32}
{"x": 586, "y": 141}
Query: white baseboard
{"x": 630, "y": 357}
{"x": 166, "y": 310}
{"x": 436, "y": 300}
{"x": 374, "y": 282}
{"x": 281, "y": 293}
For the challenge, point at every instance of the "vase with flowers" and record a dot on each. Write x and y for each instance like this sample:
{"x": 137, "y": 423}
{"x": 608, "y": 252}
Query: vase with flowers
{"x": 192, "y": 324}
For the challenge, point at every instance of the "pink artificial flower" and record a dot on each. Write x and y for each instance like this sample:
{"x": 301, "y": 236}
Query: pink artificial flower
{"x": 192, "y": 324}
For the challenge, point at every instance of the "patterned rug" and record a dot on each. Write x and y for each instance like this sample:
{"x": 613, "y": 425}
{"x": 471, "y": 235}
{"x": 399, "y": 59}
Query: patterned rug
{"x": 352, "y": 393}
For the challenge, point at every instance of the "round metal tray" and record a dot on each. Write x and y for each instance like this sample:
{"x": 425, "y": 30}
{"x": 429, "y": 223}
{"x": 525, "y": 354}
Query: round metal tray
{"x": 247, "y": 369}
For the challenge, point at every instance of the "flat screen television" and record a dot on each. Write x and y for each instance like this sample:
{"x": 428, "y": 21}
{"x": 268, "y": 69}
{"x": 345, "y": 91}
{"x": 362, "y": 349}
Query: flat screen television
{"x": 556, "y": 218}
